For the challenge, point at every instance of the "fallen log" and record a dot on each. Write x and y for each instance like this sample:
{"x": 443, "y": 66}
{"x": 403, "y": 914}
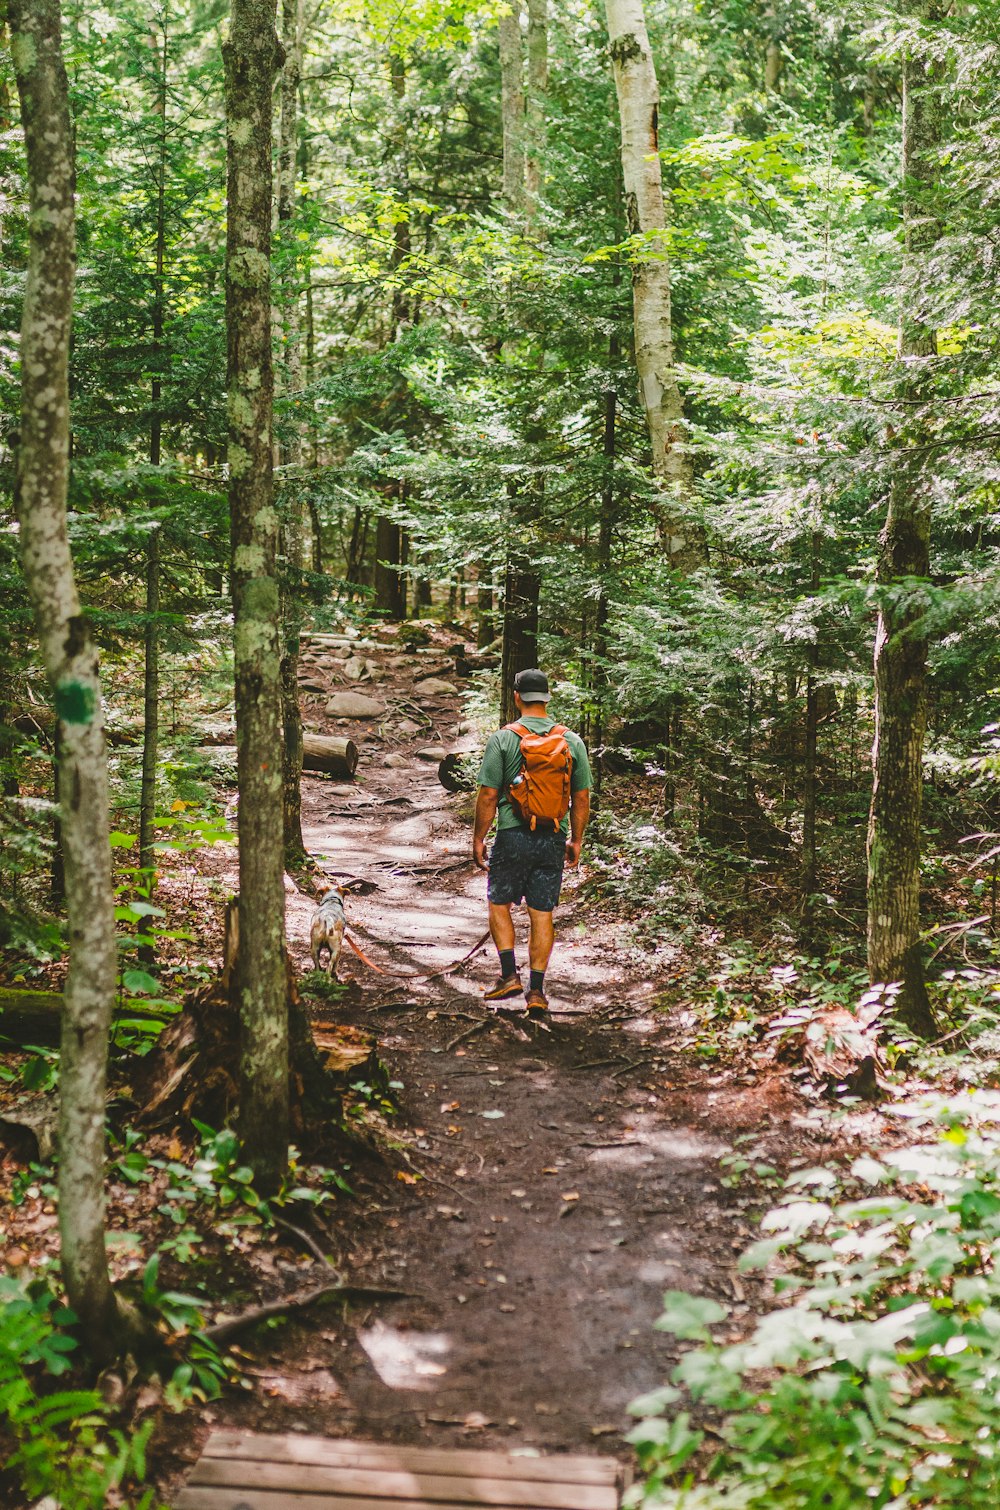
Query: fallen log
{"x": 329, "y": 754}
{"x": 326, "y": 754}
{"x": 29, "y": 1017}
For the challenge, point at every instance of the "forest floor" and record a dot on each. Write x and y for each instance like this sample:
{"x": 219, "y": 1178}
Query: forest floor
{"x": 545, "y": 1183}
{"x": 534, "y": 1188}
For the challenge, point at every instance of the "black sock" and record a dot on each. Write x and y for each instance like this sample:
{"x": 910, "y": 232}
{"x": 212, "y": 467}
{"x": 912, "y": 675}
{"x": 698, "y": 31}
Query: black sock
{"x": 537, "y": 980}
{"x": 507, "y": 965}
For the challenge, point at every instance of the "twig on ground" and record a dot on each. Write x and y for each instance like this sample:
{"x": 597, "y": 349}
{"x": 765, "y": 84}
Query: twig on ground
{"x": 477, "y": 1027}
{"x": 614, "y": 1143}
{"x": 633, "y": 1065}
{"x": 596, "y": 1064}
{"x": 221, "y": 1330}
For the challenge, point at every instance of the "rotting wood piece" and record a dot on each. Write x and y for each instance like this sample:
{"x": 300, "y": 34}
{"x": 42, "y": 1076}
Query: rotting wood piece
{"x": 192, "y": 1070}
{"x": 29, "y": 1017}
{"x": 258, "y": 1472}
{"x": 329, "y": 755}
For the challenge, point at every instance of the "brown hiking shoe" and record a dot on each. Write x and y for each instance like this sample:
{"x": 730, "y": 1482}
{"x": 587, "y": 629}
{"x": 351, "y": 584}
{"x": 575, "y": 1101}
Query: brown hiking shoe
{"x": 503, "y": 987}
{"x": 536, "y": 1004}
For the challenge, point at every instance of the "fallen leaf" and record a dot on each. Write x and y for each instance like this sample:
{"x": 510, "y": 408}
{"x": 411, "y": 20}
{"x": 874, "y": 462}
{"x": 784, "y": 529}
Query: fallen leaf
{"x": 604, "y": 1431}
{"x": 450, "y": 1106}
{"x": 407, "y": 1179}
{"x": 174, "y": 1149}
{"x": 517, "y": 1194}
{"x": 571, "y": 1195}
{"x": 543, "y": 1408}
{"x": 507, "y": 1308}
{"x": 550, "y": 1170}
{"x": 491, "y": 1116}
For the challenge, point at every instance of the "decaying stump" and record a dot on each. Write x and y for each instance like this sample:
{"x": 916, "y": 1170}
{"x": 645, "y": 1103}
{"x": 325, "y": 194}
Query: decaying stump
{"x": 194, "y": 1069}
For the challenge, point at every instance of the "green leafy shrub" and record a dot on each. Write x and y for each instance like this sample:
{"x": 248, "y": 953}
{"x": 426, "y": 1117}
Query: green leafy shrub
{"x": 57, "y": 1442}
{"x": 878, "y": 1382}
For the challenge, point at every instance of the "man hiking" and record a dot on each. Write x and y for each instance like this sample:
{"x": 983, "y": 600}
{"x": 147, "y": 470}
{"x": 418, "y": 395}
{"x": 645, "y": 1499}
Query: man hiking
{"x": 535, "y": 780}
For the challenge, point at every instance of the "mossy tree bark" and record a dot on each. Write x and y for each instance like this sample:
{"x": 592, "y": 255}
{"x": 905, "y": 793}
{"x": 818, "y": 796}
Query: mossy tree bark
{"x": 292, "y": 451}
{"x": 151, "y": 678}
{"x": 71, "y": 665}
{"x": 900, "y": 662}
{"x": 252, "y": 57}
{"x": 639, "y": 108}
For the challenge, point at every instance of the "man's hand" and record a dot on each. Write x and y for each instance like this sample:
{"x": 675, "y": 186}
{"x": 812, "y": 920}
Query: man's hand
{"x": 479, "y": 854}
{"x": 573, "y": 853}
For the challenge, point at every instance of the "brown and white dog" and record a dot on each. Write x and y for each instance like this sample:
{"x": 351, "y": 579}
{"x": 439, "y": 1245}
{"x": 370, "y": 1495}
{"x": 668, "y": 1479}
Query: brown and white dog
{"x": 327, "y": 930}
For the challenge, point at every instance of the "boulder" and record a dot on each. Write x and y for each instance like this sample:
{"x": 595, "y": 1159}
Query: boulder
{"x": 354, "y": 705}
{"x": 434, "y": 754}
{"x": 432, "y": 686}
{"x": 395, "y": 761}
{"x": 356, "y": 670}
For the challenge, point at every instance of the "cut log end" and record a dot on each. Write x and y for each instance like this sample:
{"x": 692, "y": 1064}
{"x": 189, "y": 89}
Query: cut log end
{"x": 329, "y": 755}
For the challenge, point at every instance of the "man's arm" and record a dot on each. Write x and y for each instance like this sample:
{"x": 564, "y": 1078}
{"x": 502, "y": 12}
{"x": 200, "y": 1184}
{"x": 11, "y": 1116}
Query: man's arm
{"x": 579, "y": 813}
{"x": 486, "y": 810}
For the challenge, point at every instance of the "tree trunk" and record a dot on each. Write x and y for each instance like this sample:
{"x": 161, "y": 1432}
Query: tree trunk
{"x": 151, "y": 678}
{"x": 70, "y": 662}
{"x": 605, "y": 529}
{"x": 294, "y": 520}
{"x": 638, "y": 108}
{"x": 809, "y": 865}
{"x": 252, "y": 56}
{"x": 894, "y": 953}
{"x": 485, "y": 625}
{"x": 512, "y": 104}
{"x": 538, "y": 83}
{"x": 520, "y": 631}
{"x": 390, "y": 593}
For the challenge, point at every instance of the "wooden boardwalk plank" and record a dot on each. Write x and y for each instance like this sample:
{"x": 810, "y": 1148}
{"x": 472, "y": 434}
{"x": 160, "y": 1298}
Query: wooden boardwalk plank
{"x": 205, "y": 1497}
{"x": 458, "y": 1487}
{"x": 253, "y": 1471}
{"x": 321, "y": 1452}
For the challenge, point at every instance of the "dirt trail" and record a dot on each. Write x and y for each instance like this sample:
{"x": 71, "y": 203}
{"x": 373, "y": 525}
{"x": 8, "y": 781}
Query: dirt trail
{"x": 567, "y": 1177}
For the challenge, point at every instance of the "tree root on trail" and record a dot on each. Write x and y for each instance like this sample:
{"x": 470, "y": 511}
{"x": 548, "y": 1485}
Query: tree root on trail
{"x": 306, "y": 1239}
{"x": 222, "y": 1330}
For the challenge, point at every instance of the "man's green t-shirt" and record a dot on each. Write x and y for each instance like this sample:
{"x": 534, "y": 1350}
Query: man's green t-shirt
{"x": 502, "y": 762}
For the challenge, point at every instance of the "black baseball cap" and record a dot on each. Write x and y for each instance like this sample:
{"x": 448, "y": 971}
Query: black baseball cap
{"x": 532, "y": 685}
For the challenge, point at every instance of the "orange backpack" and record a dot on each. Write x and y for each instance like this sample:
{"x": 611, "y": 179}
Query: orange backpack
{"x": 540, "y": 793}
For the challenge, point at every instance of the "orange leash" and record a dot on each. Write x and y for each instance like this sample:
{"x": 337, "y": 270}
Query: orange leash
{"x": 394, "y": 975}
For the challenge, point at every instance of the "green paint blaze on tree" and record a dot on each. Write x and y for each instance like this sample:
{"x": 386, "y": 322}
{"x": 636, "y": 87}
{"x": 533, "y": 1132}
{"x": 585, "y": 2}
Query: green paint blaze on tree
{"x": 75, "y": 703}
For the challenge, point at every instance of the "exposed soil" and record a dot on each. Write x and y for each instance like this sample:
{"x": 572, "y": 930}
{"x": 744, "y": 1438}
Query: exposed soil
{"x": 552, "y": 1181}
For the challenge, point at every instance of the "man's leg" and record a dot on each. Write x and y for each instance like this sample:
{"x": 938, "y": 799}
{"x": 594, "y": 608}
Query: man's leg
{"x": 508, "y": 983}
{"x": 501, "y": 926}
{"x": 542, "y": 938}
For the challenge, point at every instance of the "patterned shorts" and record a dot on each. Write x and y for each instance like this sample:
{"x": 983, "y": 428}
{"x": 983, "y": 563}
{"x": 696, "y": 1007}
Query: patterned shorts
{"x": 527, "y": 866}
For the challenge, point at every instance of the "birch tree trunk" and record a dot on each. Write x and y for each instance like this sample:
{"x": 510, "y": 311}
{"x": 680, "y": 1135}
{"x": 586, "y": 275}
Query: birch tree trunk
{"x": 151, "y": 679}
{"x": 70, "y": 663}
{"x": 538, "y": 83}
{"x": 252, "y": 57}
{"x": 294, "y": 516}
{"x": 512, "y": 104}
{"x": 900, "y": 660}
{"x": 638, "y": 109}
